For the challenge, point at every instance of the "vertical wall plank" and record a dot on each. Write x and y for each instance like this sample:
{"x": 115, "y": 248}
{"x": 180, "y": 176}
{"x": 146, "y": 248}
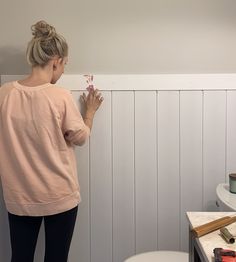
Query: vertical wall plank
{"x": 101, "y": 184}
{"x": 214, "y": 127}
{"x": 190, "y": 158}
{"x": 5, "y": 252}
{"x": 80, "y": 245}
{"x": 146, "y": 171}
{"x": 231, "y": 133}
{"x": 40, "y": 247}
{"x": 123, "y": 175}
{"x": 168, "y": 170}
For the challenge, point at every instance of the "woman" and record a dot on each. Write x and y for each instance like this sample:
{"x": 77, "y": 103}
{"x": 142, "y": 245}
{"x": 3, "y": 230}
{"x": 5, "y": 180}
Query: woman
{"x": 40, "y": 125}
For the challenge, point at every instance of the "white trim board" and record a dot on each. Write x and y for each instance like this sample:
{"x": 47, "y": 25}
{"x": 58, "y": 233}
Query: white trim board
{"x": 146, "y": 82}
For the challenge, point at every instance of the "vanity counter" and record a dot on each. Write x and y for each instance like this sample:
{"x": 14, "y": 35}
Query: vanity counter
{"x": 201, "y": 249}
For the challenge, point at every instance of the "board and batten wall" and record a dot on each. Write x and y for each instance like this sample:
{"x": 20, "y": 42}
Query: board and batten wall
{"x": 160, "y": 144}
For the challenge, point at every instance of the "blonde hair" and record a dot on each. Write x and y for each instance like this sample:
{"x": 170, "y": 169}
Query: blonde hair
{"x": 45, "y": 44}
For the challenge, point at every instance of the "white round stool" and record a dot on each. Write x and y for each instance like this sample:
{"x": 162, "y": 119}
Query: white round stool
{"x": 159, "y": 256}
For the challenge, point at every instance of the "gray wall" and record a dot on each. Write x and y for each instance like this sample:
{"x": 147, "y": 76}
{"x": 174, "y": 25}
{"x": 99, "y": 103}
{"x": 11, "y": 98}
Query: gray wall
{"x": 127, "y": 36}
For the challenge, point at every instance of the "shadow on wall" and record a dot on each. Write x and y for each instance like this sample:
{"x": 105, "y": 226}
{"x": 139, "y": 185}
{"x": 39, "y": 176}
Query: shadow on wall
{"x": 13, "y": 61}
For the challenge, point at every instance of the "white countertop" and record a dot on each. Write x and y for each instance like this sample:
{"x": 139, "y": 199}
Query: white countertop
{"x": 226, "y": 197}
{"x": 211, "y": 240}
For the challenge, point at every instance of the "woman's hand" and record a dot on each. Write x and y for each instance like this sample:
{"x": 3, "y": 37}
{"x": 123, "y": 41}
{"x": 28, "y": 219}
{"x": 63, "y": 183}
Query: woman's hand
{"x": 93, "y": 100}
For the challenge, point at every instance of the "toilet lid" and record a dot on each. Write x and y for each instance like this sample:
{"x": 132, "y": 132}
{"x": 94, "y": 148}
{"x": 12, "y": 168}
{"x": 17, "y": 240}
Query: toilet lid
{"x": 224, "y": 195}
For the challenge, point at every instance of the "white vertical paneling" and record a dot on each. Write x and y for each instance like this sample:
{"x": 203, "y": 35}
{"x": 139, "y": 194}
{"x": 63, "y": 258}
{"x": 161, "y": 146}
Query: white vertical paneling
{"x": 101, "y": 183}
{"x": 135, "y": 188}
{"x": 190, "y": 159}
{"x": 146, "y": 171}
{"x": 123, "y": 175}
{"x": 168, "y": 170}
{"x": 5, "y": 252}
{"x": 5, "y": 248}
{"x": 80, "y": 246}
{"x": 40, "y": 247}
{"x": 231, "y": 133}
{"x": 214, "y": 126}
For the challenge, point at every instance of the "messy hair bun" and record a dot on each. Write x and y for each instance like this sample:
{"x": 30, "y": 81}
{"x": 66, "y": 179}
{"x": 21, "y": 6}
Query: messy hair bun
{"x": 45, "y": 44}
{"x": 42, "y": 29}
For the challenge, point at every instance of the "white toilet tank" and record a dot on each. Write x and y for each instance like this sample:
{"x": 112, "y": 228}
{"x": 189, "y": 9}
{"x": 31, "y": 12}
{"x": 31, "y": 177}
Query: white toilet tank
{"x": 226, "y": 201}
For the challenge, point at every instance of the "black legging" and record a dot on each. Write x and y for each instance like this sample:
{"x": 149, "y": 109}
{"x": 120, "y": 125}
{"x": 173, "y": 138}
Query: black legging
{"x": 24, "y": 232}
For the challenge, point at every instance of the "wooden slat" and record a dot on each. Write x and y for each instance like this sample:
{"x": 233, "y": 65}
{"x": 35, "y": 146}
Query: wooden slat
{"x": 213, "y": 225}
{"x": 190, "y": 158}
{"x": 168, "y": 170}
{"x": 152, "y": 82}
{"x": 146, "y": 171}
{"x": 5, "y": 249}
{"x": 231, "y": 133}
{"x": 80, "y": 245}
{"x": 123, "y": 175}
{"x": 101, "y": 183}
{"x": 214, "y": 128}
{"x": 40, "y": 247}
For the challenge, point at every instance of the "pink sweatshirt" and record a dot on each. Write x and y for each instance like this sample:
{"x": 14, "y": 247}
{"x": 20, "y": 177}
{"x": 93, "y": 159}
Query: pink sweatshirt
{"x": 39, "y": 128}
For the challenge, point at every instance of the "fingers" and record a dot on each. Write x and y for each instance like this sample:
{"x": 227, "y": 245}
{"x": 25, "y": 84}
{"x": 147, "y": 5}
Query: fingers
{"x": 91, "y": 91}
{"x": 83, "y": 97}
{"x": 101, "y": 99}
{"x": 93, "y": 94}
{"x": 90, "y": 88}
{"x": 98, "y": 96}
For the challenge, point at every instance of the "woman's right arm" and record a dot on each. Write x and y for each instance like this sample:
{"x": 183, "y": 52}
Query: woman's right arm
{"x": 75, "y": 127}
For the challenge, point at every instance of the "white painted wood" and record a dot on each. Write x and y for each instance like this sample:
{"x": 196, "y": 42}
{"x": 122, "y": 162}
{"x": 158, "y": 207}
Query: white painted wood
{"x": 168, "y": 170}
{"x": 123, "y": 175}
{"x": 147, "y": 82}
{"x": 214, "y": 142}
{"x": 231, "y": 134}
{"x": 146, "y": 171}
{"x": 190, "y": 159}
{"x": 118, "y": 209}
{"x": 40, "y": 247}
{"x": 154, "y": 82}
{"x": 80, "y": 245}
{"x": 101, "y": 183}
{"x": 5, "y": 248}
{"x": 5, "y": 251}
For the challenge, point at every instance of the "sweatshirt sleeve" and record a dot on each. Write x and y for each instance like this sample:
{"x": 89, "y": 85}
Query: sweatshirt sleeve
{"x": 73, "y": 127}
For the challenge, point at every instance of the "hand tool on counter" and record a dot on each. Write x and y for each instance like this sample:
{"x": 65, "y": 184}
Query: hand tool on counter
{"x": 224, "y": 255}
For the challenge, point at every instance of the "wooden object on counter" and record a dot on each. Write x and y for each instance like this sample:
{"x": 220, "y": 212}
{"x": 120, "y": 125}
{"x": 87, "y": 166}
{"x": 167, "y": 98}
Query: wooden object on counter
{"x": 213, "y": 225}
